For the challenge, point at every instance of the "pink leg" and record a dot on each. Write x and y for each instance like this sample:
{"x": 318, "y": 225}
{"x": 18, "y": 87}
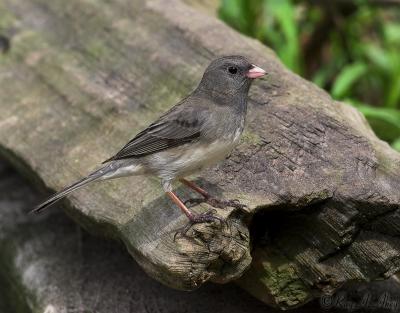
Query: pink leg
{"x": 193, "y": 218}
{"x": 196, "y": 188}
{"x": 216, "y": 203}
{"x": 180, "y": 204}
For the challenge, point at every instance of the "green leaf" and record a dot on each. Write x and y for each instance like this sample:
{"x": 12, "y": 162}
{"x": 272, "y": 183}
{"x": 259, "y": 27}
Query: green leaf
{"x": 385, "y": 122}
{"x": 321, "y": 77}
{"x": 393, "y": 95}
{"x": 231, "y": 11}
{"x": 396, "y": 144}
{"x": 378, "y": 57}
{"x": 392, "y": 33}
{"x": 284, "y": 14}
{"x": 346, "y": 79}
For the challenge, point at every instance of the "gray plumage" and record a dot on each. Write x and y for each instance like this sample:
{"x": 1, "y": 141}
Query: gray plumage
{"x": 199, "y": 131}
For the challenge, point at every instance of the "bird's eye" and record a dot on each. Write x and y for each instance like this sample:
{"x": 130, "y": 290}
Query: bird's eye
{"x": 232, "y": 69}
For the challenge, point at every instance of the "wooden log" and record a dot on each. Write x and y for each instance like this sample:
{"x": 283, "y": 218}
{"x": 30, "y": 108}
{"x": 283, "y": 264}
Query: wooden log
{"x": 51, "y": 265}
{"x": 80, "y": 78}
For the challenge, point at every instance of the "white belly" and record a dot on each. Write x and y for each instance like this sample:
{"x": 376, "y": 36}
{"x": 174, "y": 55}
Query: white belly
{"x": 188, "y": 159}
{"x": 203, "y": 156}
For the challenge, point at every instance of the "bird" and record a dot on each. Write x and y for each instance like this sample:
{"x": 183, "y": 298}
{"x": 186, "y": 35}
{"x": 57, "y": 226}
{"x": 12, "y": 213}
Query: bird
{"x": 198, "y": 132}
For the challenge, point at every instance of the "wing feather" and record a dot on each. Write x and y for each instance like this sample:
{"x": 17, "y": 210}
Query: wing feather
{"x": 173, "y": 129}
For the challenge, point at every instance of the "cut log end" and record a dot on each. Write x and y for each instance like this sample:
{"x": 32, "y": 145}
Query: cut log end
{"x": 217, "y": 252}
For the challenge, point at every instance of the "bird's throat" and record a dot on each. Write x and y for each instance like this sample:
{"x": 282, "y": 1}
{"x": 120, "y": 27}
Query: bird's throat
{"x": 233, "y": 98}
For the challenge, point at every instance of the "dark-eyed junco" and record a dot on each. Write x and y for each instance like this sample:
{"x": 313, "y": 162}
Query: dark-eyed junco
{"x": 199, "y": 131}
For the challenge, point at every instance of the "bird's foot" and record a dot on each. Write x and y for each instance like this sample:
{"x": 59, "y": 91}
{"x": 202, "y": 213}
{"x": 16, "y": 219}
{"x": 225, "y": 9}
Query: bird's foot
{"x": 216, "y": 203}
{"x": 196, "y": 219}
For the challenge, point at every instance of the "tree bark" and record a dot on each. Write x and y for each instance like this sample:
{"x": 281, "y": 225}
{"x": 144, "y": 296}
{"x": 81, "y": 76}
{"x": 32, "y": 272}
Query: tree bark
{"x": 80, "y": 78}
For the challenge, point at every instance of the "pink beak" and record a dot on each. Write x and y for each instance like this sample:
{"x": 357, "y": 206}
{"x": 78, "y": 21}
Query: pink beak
{"x": 255, "y": 72}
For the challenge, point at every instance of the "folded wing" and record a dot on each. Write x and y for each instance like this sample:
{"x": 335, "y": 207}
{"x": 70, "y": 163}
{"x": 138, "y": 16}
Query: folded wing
{"x": 177, "y": 127}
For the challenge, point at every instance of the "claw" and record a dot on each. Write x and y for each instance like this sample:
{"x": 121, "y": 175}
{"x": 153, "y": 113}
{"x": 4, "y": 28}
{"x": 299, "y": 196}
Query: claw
{"x": 221, "y": 204}
{"x": 182, "y": 231}
{"x": 199, "y": 218}
{"x": 205, "y": 217}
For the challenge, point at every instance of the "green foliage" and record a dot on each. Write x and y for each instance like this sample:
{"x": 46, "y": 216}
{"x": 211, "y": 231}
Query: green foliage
{"x": 357, "y": 57}
{"x": 347, "y": 78}
{"x": 385, "y": 121}
{"x": 272, "y": 22}
{"x": 285, "y": 21}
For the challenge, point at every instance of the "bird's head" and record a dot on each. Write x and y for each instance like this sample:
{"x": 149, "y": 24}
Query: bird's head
{"x": 229, "y": 76}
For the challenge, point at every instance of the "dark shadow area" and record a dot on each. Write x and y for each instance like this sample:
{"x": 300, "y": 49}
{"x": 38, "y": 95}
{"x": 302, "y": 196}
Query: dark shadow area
{"x": 280, "y": 227}
{"x": 4, "y": 44}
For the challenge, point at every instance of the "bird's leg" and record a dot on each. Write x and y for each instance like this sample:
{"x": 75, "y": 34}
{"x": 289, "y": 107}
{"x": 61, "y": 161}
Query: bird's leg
{"x": 196, "y": 188}
{"x": 193, "y": 218}
{"x": 207, "y": 198}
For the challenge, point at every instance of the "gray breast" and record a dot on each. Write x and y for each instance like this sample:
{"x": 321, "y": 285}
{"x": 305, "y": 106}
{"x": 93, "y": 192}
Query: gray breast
{"x": 221, "y": 133}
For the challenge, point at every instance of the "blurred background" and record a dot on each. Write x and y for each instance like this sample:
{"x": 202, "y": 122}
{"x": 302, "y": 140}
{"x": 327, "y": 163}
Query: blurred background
{"x": 350, "y": 48}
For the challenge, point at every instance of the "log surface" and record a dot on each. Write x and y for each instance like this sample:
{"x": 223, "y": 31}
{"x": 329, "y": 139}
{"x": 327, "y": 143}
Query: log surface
{"x": 51, "y": 265}
{"x": 80, "y": 78}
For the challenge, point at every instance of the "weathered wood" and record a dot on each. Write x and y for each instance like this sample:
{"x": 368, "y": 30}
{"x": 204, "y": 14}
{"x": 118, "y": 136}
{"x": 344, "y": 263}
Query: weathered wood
{"x": 82, "y": 77}
{"x": 51, "y": 265}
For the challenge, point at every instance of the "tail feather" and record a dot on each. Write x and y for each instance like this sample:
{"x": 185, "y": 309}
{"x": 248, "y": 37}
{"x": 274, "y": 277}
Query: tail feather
{"x": 80, "y": 183}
